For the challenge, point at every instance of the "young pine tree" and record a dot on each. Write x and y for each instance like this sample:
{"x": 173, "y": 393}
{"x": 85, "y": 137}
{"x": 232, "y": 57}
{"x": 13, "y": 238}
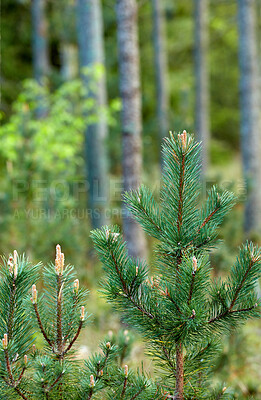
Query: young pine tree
{"x": 182, "y": 312}
{"x": 50, "y": 371}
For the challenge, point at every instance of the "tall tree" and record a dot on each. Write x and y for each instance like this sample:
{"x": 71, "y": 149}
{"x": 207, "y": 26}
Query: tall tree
{"x": 202, "y": 78}
{"x": 160, "y": 57}
{"x": 249, "y": 107}
{"x": 128, "y": 55}
{"x": 39, "y": 40}
{"x": 91, "y": 52}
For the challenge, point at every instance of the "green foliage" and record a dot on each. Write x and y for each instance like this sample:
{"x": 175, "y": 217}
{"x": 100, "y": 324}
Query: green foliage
{"x": 43, "y": 178}
{"x": 181, "y": 312}
{"x": 58, "y": 315}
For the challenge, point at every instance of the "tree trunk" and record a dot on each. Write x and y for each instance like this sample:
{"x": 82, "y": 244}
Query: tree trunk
{"x": 39, "y": 40}
{"x": 179, "y": 390}
{"x": 68, "y": 49}
{"x": 249, "y": 107}
{"x": 69, "y": 56}
{"x": 202, "y": 79}
{"x": 91, "y": 52}
{"x": 160, "y": 57}
{"x": 128, "y": 55}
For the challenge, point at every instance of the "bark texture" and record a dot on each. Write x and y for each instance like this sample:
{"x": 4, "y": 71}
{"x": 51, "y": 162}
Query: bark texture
{"x": 91, "y": 52}
{"x": 250, "y": 112}
{"x": 128, "y": 55}
{"x": 39, "y": 40}
{"x": 160, "y": 57}
{"x": 179, "y": 390}
{"x": 202, "y": 79}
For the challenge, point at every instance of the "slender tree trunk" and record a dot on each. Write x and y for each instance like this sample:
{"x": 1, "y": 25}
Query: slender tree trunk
{"x": 160, "y": 57}
{"x": 68, "y": 49}
{"x": 69, "y": 56}
{"x": 39, "y": 40}
{"x": 202, "y": 79}
{"x": 250, "y": 117}
{"x": 91, "y": 52}
{"x": 128, "y": 55}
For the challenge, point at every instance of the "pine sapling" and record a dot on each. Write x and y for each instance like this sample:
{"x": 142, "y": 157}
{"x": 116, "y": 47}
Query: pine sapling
{"x": 52, "y": 371}
{"x": 181, "y": 311}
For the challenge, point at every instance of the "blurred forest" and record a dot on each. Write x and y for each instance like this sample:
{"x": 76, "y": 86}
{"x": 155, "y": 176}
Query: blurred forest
{"x": 88, "y": 90}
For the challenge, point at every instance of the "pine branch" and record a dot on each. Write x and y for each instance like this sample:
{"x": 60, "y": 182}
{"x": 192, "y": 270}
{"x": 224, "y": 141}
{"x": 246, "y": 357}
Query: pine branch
{"x": 10, "y": 375}
{"x": 145, "y": 210}
{"x": 74, "y": 338}
{"x": 126, "y": 291}
{"x": 55, "y": 382}
{"x": 191, "y": 287}
{"x": 124, "y": 388}
{"x": 41, "y": 327}
{"x": 20, "y": 376}
{"x": 12, "y": 308}
{"x": 8, "y": 367}
{"x": 170, "y": 362}
{"x": 137, "y": 394}
{"x": 59, "y": 340}
{"x": 90, "y": 394}
{"x": 208, "y": 218}
{"x": 240, "y": 286}
{"x": 229, "y": 312}
{"x": 181, "y": 189}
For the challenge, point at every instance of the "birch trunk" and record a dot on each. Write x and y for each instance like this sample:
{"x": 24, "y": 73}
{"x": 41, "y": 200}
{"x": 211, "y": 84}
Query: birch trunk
{"x": 91, "y": 52}
{"x": 128, "y": 55}
{"x": 250, "y": 112}
{"x": 202, "y": 79}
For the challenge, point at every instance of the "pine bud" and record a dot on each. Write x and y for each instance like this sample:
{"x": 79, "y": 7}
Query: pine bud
{"x": 34, "y": 294}
{"x": 25, "y": 359}
{"x": 101, "y": 372}
{"x": 5, "y": 341}
{"x": 107, "y": 234}
{"x": 126, "y": 370}
{"x": 34, "y": 348}
{"x": 126, "y": 332}
{"x": 115, "y": 237}
{"x": 108, "y": 345}
{"x": 137, "y": 270}
{"x": 62, "y": 263}
{"x": 15, "y": 264}
{"x": 58, "y": 251}
{"x": 183, "y": 138}
{"x": 92, "y": 383}
{"x": 10, "y": 264}
{"x": 59, "y": 260}
{"x": 195, "y": 264}
{"x": 224, "y": 389}
{"x": 82, "y": 313}
{"x": 76, "y": 286}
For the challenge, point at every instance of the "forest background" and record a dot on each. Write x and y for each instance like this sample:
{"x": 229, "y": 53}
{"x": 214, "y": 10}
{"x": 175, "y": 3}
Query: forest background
{"x": 61, "y": 85}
